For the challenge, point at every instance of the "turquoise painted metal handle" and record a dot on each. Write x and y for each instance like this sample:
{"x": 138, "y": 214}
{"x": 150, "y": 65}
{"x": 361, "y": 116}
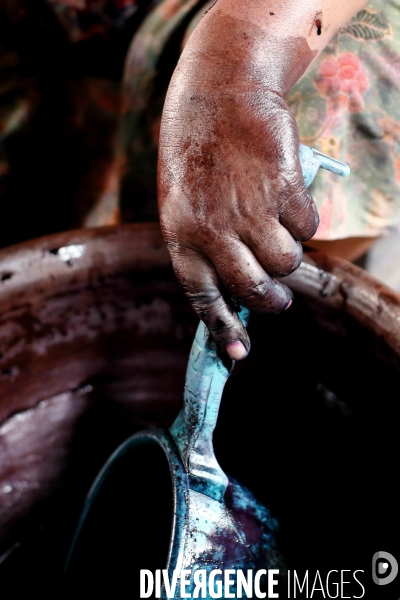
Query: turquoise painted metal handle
{"x": 312, "y": 160}
{"x": 206, "y": 377}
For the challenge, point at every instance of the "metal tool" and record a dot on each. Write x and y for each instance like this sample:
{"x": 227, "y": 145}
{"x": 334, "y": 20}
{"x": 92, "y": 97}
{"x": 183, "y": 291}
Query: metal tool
{"x": 163, "y": 502}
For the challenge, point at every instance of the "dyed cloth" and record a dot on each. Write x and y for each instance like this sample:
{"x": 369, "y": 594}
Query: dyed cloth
{"x": 64, "y": 162}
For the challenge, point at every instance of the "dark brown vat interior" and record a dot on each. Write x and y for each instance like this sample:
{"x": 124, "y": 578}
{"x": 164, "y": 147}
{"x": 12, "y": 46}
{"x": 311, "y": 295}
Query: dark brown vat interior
{"x": 94, "y": 341}
{"x": 128, "y": 528}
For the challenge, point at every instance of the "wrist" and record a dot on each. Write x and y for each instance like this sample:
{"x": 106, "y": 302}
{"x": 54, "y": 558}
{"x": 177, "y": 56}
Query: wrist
{"x": 226, "y": 52}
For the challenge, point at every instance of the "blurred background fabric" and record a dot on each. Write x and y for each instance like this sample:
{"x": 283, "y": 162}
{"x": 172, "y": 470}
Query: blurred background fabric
{"x": 61, "y": 68}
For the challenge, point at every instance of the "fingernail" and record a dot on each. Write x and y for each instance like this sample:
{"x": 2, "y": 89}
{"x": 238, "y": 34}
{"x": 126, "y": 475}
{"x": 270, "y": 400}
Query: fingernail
{"x": 289, "y": 303}
{"x": 236, "y": 350}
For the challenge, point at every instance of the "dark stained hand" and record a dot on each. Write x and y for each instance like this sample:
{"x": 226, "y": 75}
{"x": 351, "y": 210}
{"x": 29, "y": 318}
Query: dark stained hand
{"x": 232, "y": 200}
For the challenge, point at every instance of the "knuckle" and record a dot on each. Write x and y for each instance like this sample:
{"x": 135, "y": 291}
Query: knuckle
{"x": 222, "y": 322}
{"x": 289, "y": 263}
{"x": 220, "y": 327}
{"x": 211, "y": 307}
{"x": 286, "y": 261}
{"x": 265, "y": 296}
{"x": 202, "y": 300}
{"x": 209, "y": 234}
{"x": 303, "y": 221}
{"x": 308, "y": 227}
{"x": 256, "y": 295}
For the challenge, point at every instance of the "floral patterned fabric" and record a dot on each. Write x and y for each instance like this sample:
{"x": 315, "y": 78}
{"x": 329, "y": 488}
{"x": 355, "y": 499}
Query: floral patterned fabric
{"x": 348, "y": 105}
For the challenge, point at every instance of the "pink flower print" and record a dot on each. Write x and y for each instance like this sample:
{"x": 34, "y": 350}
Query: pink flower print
{"x": 343, "y": 82}
{"x": 326, "y": 212}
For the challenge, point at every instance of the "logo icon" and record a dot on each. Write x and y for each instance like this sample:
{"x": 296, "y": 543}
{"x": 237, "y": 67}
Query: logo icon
{"x": 384, "y": 568}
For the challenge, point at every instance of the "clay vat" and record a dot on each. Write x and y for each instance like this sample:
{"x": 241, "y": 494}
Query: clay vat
{"x": 94, "y": 340}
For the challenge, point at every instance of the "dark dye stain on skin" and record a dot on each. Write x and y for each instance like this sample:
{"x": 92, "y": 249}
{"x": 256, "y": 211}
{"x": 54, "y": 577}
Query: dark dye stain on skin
{"x": 316, "y": 22}
{"x": 208, "y": 10}
{"x": 219, "y": 326}
{"x": 5, "y": 275}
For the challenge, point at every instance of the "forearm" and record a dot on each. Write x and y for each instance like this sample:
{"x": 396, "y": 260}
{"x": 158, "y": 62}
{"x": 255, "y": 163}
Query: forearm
{"x": 270, "y": 42}
{"x": 315, "y": 20}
